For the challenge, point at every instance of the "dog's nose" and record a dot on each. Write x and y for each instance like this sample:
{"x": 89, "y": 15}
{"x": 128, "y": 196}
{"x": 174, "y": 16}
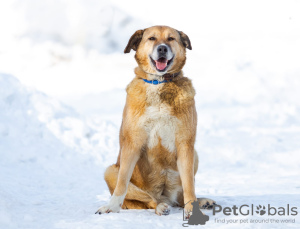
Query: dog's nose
{"x": 162, "y": 49}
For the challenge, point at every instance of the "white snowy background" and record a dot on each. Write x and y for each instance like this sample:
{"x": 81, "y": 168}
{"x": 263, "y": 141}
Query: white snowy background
{"x": 62, "y": 80}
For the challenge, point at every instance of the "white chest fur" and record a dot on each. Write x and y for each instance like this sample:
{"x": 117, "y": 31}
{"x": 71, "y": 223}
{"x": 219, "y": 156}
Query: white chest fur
{"x": 158, "y": 121}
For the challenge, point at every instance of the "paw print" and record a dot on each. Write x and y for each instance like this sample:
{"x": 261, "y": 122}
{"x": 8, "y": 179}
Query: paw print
{"x": 261, "y": 210}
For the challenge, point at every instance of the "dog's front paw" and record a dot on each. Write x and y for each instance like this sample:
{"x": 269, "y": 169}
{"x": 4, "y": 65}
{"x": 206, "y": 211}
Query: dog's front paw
{"x": 103, "y": 209}
{"x": 162, "y": 209}
{"x": 114, "y": 205}
{"x": 107, "y": 209}
{"x": 188, "y": 209}
{"x": 206, "y": 203}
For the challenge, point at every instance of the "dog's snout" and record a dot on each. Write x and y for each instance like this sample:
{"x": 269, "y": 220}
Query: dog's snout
{"x": 162, "y": 49}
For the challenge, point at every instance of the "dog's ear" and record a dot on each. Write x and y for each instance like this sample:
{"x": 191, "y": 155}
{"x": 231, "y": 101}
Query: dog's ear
{"x": 185, "y": 40}
{"x": 134, "y": 41}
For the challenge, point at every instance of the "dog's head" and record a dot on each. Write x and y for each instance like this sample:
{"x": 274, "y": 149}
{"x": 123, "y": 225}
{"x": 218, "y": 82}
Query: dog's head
{"x": 159, "y": 49}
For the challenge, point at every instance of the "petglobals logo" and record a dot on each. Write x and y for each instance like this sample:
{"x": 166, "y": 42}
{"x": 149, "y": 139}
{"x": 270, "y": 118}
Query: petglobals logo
{"x": 246, "y": 210}
{"x": 261, "y": 214}
{"x": 197, "y": 217}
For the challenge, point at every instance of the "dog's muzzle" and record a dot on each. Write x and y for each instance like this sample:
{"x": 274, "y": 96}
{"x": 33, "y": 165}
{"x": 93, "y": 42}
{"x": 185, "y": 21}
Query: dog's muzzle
{"x": 162, "y": 57}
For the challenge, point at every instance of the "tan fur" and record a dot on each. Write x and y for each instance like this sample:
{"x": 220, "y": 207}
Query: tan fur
{"x": 157, "y": 160}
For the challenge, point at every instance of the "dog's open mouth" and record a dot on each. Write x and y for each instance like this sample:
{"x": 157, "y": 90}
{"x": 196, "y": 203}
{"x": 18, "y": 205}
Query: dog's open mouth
{"x": 162, "y": 63}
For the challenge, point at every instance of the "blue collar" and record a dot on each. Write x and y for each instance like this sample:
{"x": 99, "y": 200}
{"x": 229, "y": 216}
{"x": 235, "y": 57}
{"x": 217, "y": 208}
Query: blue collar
{"x": 155, "y": 82}
{"x": 168, "y": 78}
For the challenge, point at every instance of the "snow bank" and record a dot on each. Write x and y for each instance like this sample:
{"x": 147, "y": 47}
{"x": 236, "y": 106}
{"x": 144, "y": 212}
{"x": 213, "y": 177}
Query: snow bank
{"x": 47, "y": 152}
{"x": 21, "y": 105}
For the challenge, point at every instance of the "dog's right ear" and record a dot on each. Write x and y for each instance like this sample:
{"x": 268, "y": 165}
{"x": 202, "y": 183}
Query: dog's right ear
{"x": 134, "y": 41}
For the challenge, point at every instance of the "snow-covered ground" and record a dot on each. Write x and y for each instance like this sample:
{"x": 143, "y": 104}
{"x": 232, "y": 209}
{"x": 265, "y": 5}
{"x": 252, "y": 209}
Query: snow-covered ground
{"x": 62, "y": 95}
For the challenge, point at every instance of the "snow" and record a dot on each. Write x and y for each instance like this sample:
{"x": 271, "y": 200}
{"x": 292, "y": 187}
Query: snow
{"x": 62, "y": 95}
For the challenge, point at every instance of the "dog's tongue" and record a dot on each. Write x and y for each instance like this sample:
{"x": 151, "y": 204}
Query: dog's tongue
{"x": 161, "y": 63}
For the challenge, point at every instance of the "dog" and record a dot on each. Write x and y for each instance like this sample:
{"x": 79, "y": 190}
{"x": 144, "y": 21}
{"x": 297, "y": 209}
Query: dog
{"x": 157, "y": 161}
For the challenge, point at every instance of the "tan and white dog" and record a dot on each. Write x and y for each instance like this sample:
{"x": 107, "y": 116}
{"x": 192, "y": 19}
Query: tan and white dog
{"x": 157, "y": 162}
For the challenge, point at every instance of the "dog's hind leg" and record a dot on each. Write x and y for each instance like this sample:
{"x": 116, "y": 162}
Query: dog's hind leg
{"x": 134, "y": 204}
{"x": 135, "y": 198}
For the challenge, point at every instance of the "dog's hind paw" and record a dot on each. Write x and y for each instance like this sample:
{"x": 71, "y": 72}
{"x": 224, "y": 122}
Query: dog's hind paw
{"x": 206, "y": 203}
{"x": 162, "y": 209}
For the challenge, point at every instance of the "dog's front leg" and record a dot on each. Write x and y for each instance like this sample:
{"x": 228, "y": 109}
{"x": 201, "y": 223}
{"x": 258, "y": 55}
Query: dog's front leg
{"x": 129, "y": 156}
{"x": 185, "y": 163}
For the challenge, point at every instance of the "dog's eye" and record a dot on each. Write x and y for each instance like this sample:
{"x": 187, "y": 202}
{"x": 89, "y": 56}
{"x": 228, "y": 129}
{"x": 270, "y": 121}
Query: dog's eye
{"x": 171, "y": 38}
{"x": 152, "y": 38}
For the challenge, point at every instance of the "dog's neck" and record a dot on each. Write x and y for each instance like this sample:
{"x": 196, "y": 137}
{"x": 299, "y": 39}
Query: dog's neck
{"x": 140, "y": 73}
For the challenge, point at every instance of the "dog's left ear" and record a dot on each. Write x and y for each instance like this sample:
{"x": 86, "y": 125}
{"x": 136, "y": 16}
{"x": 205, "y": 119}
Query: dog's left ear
{"x": 134, "y": 41}
{"x": 185, "y": 40}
